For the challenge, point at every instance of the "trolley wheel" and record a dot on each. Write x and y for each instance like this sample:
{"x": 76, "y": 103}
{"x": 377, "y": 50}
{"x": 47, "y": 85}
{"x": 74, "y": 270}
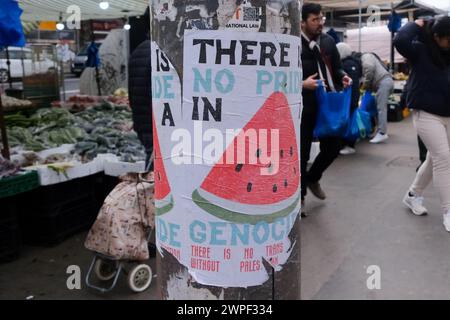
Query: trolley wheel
{"x": 105, "y": 270}
{"x": 140, "y": 278}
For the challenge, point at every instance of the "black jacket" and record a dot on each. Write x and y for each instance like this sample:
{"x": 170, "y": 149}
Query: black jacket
{"x": 330, "y": 52}
{"x": 428, "y": 85}
{"x": 140, "y": 93}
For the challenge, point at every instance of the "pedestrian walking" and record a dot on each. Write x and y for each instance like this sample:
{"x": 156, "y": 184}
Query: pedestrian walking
{"x": 426, "y": 45}
{"x": 320, "y": 59}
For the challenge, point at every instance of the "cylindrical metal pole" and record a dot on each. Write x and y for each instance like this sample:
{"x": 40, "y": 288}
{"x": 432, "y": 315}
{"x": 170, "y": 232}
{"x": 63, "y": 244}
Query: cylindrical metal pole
{"x": 227, "y": 227}
{"x": 5, "y": 150}
{"x": 97, "y": 72}
{"x": 8, "y": 63}
{"x": 360, "y": 26}
{"x": 391, "y": 66}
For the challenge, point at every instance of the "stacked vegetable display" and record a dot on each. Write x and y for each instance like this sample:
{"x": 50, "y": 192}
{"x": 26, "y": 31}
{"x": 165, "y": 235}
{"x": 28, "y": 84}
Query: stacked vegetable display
{"x": 103, "y": 128}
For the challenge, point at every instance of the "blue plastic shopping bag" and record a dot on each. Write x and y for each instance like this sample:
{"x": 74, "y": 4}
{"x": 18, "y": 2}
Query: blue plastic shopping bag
{"x": 360, "y": 126}
{"x": 369, "y": 104}
{"x": 333, "y": 112}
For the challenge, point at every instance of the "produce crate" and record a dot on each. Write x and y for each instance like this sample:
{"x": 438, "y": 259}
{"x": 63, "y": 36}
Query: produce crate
{"x": 63, "y": 192}
{"x": 50, "y": 225}
{"x": 15, "y": 93}
{"x": 18, "y": 184}
{"x": 59, "y": 211}
{"x": 9, "y": 230}
{"x": 41, "y": 88}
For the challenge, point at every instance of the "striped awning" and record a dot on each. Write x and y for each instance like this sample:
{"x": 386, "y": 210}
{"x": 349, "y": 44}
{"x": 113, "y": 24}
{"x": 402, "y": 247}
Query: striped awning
{"x": 29, "y": 26}
{"x": 50, "y": 10}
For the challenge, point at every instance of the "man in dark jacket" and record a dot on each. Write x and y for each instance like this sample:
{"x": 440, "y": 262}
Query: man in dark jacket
{"x": 140, "y": 93}
{"x": 320, "y": 57}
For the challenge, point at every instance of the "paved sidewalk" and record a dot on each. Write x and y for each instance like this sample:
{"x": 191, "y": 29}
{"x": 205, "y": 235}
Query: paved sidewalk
{"x": 362, "y": 223}
{"x": 40, "y": 273}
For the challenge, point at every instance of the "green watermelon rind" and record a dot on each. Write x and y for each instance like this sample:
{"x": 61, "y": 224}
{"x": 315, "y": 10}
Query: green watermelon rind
{"x": 165, "y": 208}
{"x": 237, "y": 217}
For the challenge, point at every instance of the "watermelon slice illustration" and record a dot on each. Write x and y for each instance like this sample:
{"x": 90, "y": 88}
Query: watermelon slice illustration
{"x": 163, "y": 197}
{"x": 239, "y": 192}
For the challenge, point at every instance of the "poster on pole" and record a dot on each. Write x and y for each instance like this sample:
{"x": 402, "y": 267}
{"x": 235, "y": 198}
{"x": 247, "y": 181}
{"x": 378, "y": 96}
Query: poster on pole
{"x": 227, "y": 153}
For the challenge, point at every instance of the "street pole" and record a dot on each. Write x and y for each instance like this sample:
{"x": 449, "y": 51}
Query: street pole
{"x": 5, "y": 150}
{"x": 8, "y": 63}
{"x": 359, "y": 26}
{"x": 97, "y": 73}
{"x": 60, "y": 56}
{"x": 392, "y": 42}
{"x": 228, "y": 247}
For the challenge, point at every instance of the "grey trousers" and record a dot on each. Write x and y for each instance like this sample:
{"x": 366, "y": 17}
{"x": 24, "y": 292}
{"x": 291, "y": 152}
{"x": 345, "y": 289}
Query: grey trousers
{"x": 385, "y": 89}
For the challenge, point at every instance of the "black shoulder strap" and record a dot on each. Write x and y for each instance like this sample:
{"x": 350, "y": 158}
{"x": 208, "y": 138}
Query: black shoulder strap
{"x": 381, "y": 61}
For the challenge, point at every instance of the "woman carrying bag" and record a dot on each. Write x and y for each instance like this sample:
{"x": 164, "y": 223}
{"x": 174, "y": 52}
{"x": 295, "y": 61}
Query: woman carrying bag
{"x": 426, "y": 45}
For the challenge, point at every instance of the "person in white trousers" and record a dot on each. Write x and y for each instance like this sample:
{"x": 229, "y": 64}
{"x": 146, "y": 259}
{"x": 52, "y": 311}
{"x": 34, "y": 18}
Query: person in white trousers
{"x": 426, "y": 45}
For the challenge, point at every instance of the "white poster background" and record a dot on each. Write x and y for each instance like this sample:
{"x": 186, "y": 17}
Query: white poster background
{"x": 210, "y": 247}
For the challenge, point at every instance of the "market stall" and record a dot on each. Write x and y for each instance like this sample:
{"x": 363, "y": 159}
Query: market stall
{"x": 61, "y": 158}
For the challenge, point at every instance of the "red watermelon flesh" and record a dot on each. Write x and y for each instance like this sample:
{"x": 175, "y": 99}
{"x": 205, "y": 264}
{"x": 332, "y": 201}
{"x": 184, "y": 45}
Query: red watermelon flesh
{"x": 162, "y": 187}
{"x": 244, "y": 183}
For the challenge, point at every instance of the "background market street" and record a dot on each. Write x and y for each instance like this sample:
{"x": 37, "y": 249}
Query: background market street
{"x": 362, "y": 223}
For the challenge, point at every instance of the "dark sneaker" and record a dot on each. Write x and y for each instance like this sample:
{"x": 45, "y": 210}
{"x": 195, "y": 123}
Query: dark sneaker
{"x": 316, "y": 190}
{"x": 303, "y": 213}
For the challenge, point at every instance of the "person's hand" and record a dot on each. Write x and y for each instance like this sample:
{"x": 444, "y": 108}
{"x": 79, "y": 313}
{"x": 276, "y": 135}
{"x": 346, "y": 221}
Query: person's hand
{"x": 311, "y": 83}
{"x": 347, "y": 81}
{"x": 420, "y": 22}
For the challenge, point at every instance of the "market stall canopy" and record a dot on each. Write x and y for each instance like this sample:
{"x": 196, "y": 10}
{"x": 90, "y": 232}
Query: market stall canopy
{"x": 374, "y": 39}
{"x": 50, "y": 10}
{"x": 351, "y": 4}
{"x": 442, "y": 6}
{"x": 344, "y": 13}
{"x": 439, "y": 6}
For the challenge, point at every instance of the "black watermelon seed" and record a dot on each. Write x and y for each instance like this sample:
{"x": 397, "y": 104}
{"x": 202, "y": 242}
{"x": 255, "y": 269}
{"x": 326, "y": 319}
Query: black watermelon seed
{"x": 258, "y": 153}
{"x": 275, "y": 188}
{"x": 291, "y": 151}
{"x": 281, "y": 153}
{"x": 239, "y": 167}
{"x": 295, "y": 171}
{"x": 285, "y": 183}
{"x": 249, "y": 187}
{"x": 159, "y": 176}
